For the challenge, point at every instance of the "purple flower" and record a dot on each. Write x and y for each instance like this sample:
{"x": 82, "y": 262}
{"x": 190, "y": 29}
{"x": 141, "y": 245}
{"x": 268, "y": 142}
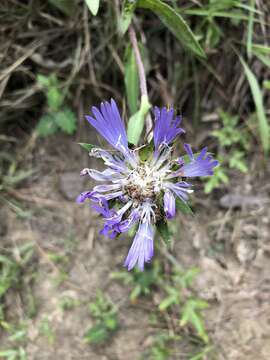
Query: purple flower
{"x": 142, "y": 248}
{"x": 169, "y": 204}
{"x": 130, "y": 189}
{"x": 202, "y": 165}
{"x": 109, "y": 124}
{"x": 166, "y": 127}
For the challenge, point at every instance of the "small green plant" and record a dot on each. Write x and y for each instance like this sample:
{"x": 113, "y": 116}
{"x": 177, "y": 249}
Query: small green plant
{"x": 12, "y": 269}
{"x": 13, "y": 354}
{"x": 58, "y": 116}
{"x": 234, "y": 143}
{"x": 161, "y": 348}
{"x": 180, "y": 297}
{"x": 106, "y": 322}
{"x": 141, "y": 282}
{"x": 68, "y": 303}
{"x": 46, "y": 330}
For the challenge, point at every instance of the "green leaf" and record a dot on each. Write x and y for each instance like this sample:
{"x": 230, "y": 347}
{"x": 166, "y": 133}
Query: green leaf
{"x": 55, "y": 98}
{"x": 43, "y": 80}
{"x": 263, "y": 58}
{"x": 93, "y": 6}
{"x": 66, "y": 120}
{"x": 46, "y": 126}
{"x": 66, "y": 6}
{"x": 175, "y": 23}
{"x": 191, "y": 313}
{"x": 183, "y": 207}
{"x": 258, "y": 99}
{"x": 126, "y": 15}
{"x": 97, "y": 334}
{"x": 146, "y": 152}
{"x": 266, "y": 84}
{"x": 263, "y": 49}
{"x": 167, "y": 302}
{"x": 86, "y": 146}
{"x": 136, "y": 122}
{"x": 131, "y": 80}
{"x": 163, "y": 230}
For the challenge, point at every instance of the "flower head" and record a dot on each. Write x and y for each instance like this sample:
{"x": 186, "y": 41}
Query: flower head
{"x": 140, "y": 193}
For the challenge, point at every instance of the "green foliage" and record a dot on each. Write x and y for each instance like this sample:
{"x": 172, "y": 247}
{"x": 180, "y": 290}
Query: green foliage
{"x": 136, "y": 122}
{"x": 66, "y": 6}
{"x": 220, "y": 176}
{"x": 58, "y": 116}
{"x": 263, "y": 124}
{"x": 11, "y": 269}
{"x": 131, "y": 80}
{"x": 164, "y": 232}
{"x": 178, "y": 294}
{"x": 45, "y": 329}
{"x": 191, "y": 313}
{"x": 175, "y": 23}
{"x": 183, "y": 207}
{"x": 68, "y": 303}
{"x": 188, "y": 307}
{"x": 126, "y": 15}
{"x": 93, "y": 6}
{"x": 235, "y": 143}
{"x": 161, "y": 348}
{"x": 209, "y": 28}
{"x": 87, "y": 147}
{"x": 106, "y": 320}
{"x": 13, "y": 354}
{"x": 146, "y": 152}
{"x": 142, "y": 282}
{"x": 16, "y": 272}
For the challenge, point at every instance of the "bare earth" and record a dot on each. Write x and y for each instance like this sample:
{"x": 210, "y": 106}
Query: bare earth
{"x": 230, "y": 245}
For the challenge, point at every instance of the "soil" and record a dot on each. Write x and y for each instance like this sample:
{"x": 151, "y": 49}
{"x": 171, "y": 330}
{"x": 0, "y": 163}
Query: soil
{"x": 229, "y": 244}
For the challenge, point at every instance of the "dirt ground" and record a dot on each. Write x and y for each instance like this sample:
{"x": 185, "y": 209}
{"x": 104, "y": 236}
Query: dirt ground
{"x": 229, "y": 243}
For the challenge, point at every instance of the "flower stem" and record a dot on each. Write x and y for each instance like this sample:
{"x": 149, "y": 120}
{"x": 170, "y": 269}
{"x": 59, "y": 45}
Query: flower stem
{"x": 134, "y": 43}
{"x": 142, "y": 77}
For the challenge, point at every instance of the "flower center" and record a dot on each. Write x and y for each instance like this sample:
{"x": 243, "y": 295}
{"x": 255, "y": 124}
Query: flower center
{"x": 140, "y": 184}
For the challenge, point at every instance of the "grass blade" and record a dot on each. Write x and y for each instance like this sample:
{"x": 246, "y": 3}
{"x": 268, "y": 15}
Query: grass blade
{"x": 175, "y": 23}
{"x": 258, "y": 100}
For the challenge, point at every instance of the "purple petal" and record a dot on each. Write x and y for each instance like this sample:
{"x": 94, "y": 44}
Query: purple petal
{"x": 108, "y": 123}
{"x": 169, "y": 204}
{"x": 203, "y": 165}
{"x": 166, "y": 127}
{"x": 142, "y": 248}
{"x": 180, "y": 189}
{"x": 86, "y": 195}
{"x": 129, "y": 222}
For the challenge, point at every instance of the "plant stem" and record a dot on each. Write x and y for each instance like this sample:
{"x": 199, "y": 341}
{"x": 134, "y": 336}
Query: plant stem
{"x": 142, "y": 77}
{"x": 134, "y": 43}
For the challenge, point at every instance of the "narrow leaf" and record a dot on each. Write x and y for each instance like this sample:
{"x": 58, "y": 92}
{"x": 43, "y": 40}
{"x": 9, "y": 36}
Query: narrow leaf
{"x": 93, "y": 6}
{"x": 258, "y": 99}
{"x": 175, "y": 23}
{"x": 136, "y": 122}
{"x": 126, "y": 16}
{"x": 131, "y": 80}
{"x": 66, "y": 6}
{"x": 183, "y": 207}
{"x": 86, "y": 146}
{"x": 163, "y": 230}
